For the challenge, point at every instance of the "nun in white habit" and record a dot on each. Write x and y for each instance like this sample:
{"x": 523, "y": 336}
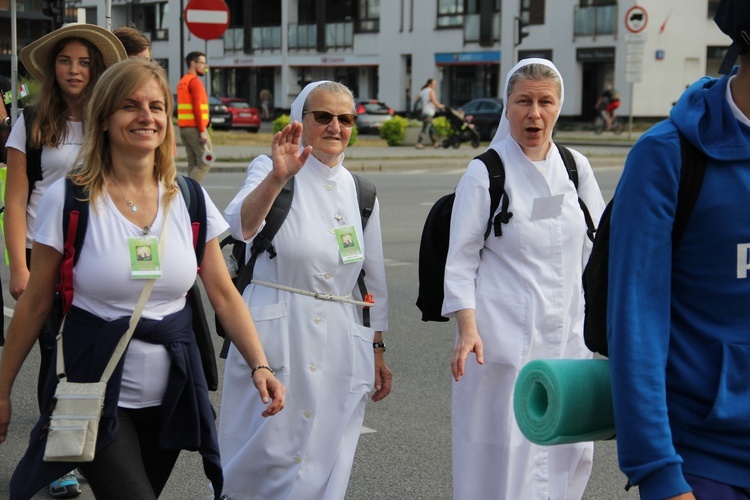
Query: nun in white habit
{"x": 517, "y": 297}
{"x": 328, "y": 361}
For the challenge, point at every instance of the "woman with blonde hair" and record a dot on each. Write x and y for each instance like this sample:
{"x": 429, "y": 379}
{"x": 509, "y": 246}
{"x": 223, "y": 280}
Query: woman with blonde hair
{"x": 42, "y": 147}
{"x": 157, "y": 400}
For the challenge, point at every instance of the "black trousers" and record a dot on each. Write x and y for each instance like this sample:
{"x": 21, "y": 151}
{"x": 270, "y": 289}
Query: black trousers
{"x": 134, "y": 465}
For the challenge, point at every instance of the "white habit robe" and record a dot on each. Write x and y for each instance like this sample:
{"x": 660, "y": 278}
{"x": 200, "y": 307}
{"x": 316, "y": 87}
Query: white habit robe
{"x": 525, "y": 287}
{"x": 319, "y": 349}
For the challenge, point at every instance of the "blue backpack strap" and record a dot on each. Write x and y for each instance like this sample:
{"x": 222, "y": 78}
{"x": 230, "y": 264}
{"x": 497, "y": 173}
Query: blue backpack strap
{"x": 195, "y": 200}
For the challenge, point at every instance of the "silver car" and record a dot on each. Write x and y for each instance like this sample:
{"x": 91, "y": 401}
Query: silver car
{"x": 371, "y": 114}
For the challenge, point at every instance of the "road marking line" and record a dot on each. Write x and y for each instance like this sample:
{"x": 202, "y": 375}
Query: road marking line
{"x": 367, "y": 430}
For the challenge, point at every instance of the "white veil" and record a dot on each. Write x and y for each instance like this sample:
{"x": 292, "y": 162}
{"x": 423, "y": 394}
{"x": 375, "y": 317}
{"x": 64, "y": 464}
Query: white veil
{"x": 295, "y": 114}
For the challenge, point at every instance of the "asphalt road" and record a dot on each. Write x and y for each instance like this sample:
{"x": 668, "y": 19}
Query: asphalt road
{"x": 404, "y": 450}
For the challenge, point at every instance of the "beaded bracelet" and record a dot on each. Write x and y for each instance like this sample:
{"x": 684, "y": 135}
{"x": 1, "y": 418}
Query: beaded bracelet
{"x": 261, "y": 367}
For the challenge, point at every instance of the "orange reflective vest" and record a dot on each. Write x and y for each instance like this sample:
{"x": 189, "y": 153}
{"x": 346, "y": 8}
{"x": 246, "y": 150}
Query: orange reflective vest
{"x": 191, "y": 97}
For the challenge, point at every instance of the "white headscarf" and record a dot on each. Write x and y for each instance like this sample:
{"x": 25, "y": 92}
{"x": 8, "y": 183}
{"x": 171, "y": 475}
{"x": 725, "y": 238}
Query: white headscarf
{"x": 503, "y": 130}
{"x": 298, "y": 105}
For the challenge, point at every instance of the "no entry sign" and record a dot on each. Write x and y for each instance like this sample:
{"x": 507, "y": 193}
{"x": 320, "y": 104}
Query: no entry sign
{"x": 207, "y": 19}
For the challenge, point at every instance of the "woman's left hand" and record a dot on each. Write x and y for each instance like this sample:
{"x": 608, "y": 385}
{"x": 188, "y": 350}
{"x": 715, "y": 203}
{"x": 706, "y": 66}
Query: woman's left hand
{"x": 383, "y": 377}
{"x": 270, "y": 389}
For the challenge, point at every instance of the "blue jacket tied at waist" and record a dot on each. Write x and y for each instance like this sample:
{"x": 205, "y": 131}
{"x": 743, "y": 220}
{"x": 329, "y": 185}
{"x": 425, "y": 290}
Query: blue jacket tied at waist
{"x": 187, "y": 417}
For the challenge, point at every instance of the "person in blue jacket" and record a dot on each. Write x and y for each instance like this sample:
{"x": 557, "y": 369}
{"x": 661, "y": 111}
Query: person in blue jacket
{"x": 679, "y": 319}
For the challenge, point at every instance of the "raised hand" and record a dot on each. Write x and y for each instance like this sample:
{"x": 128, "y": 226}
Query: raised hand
{"x": 288, "y": 158}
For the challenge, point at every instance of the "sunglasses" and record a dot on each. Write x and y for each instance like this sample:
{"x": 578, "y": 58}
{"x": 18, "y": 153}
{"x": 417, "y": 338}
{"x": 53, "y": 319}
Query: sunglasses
{"x": 324, "y": 118}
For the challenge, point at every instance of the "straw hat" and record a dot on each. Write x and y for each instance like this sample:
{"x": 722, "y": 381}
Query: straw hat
{"x": 35, "y": 55}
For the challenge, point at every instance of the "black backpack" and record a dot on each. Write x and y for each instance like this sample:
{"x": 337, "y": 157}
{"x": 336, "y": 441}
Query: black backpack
{"x": 263, "y": 241}
{"x": 33, "y": 154}
{"x": 596, "y": 273}
{"x": 433, "y": 249}
{"x": 75, "y": 224}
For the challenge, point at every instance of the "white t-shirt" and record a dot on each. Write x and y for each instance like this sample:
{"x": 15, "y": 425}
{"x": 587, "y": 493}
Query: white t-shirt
{"x": 56, "y": 162}
{"x": 102, "y": 282}
{"x": 428, "y": 108}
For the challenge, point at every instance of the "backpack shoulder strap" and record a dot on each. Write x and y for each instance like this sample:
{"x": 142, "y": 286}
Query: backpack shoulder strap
{"x": 195, "y": 200}
{"x": 75, "y": 224}
{"x": 572, "y": 167}
{"x": 496, "y": 171}
{"x": 33, "y": 154}
{"x": 692, "y": 171}
{"x": 570, "y": 163}
{"x": 366, "y": 195}
{"x": 263, "y": 240}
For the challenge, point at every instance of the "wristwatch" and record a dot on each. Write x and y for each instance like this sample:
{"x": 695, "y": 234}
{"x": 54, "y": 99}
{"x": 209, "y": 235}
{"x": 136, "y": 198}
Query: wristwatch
{"x": 380, "y": 344}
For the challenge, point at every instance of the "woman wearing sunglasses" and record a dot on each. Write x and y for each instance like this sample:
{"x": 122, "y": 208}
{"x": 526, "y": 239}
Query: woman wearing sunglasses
{"x": 320, "y": 349}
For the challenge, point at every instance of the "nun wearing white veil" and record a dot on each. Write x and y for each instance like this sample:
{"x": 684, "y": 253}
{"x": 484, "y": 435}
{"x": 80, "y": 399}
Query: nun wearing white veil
{"x": 517, "y": 297}
{"x": 319, "y": 349}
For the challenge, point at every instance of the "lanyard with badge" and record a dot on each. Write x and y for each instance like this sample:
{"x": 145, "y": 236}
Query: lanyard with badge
{"x": 145, "y": 252}
{"x": 348, "y": 242}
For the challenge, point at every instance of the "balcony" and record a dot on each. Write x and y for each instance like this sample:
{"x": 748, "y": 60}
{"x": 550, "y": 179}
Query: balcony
{"x": 595, "y": 20}
{"x": 338, "y": 36}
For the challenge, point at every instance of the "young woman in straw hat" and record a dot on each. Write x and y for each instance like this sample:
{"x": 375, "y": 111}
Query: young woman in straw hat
{"x": 43, "y": 146}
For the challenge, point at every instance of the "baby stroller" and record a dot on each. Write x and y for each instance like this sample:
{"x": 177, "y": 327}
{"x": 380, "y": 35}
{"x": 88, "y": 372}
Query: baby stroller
{"x": 462, "y": 130}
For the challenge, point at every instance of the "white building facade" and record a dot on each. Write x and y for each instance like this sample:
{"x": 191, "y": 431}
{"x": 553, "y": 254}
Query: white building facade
{"x": 650, "y": 50}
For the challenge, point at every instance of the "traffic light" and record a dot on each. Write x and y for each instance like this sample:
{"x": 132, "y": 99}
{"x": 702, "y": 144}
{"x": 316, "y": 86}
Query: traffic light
{"x": 520, "y": 33}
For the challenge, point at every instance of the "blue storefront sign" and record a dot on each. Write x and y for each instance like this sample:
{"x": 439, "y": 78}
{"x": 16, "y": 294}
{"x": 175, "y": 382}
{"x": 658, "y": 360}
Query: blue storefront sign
{"x": 487, "y": 57}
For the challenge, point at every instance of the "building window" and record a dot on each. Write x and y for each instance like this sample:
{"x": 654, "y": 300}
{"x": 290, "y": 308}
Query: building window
{"x": 450, "y": 13}
{"x": 532, "y": 11}
{"x": 368, "y": 16}
{"x": 236, "y": 13}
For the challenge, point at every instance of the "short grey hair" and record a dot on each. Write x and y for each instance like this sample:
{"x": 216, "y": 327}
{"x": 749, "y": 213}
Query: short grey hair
{"x": 535, "y": 72}
{"x": 333, "y": 88}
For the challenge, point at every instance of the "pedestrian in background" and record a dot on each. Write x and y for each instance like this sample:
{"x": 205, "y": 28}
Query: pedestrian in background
{"x": 518, "y": 296}
{"x": 679, "y": 319}
{"x": 266, "y": 98}
{"x": 156, "y": 401}
{"x": 43, "y": 146}
{"x": 135, "y": 42}
{"x": 430, "y": 105}
{"x": 192, "y": 114}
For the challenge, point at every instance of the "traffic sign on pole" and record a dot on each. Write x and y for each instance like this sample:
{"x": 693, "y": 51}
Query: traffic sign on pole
{"x": 636, "y": 19}
{"x": 207, "y": 19}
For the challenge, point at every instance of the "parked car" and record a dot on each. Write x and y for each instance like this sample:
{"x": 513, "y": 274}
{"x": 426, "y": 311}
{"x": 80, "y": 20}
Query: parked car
{"x": 485, "y": 114}
{"x": 243, "y": 115}
{"x": 371, "y": 114}
{"x": 218, "y": 113}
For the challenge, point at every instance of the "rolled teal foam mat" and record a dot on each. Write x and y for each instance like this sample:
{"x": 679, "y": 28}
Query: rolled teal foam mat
{"x": 560, "y": 401}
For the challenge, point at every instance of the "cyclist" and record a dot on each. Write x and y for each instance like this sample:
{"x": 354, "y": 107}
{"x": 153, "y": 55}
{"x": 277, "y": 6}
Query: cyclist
{"x": 608, "y": 102}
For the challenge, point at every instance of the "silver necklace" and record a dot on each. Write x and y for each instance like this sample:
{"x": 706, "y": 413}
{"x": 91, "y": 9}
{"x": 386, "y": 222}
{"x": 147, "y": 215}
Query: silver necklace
{"x": 131, "y": 205}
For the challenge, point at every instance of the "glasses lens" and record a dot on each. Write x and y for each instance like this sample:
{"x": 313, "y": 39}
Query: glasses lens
{"x": 324, "y": 118}
{"x": 347, "y": 120}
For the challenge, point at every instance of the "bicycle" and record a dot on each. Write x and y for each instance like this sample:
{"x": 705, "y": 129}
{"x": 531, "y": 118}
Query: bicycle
{"x": 599, "y": 125}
